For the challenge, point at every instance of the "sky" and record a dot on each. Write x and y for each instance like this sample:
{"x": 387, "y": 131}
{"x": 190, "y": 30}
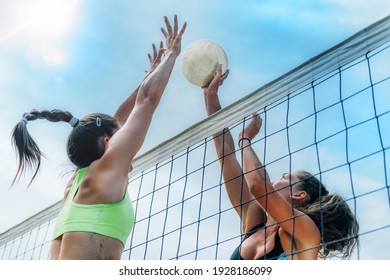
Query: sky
{"x": 86, "y": 56}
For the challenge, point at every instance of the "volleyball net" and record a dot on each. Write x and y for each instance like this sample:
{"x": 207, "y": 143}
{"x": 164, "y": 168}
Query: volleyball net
{"x": 330, "y": 116}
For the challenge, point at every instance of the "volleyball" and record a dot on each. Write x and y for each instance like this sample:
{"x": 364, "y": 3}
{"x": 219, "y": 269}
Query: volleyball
{"x": 200, "y": 61}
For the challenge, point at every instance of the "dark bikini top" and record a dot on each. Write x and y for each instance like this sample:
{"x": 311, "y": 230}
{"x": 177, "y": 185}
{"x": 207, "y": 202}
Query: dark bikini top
{"x": 277, "y": 253}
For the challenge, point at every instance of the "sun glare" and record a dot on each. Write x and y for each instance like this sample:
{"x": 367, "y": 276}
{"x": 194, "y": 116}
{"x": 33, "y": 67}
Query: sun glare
{"x": 43, "y": 28}
{"x": 48, "y": 17}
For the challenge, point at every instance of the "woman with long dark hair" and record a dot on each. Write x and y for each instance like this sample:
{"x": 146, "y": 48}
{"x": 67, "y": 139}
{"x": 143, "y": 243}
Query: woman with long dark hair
{"x": 97, "y": 217}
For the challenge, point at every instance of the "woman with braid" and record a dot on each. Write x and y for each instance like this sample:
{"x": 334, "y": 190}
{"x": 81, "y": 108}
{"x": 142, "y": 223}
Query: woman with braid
{"x": 292, "y": 218}
{"x": 97, "y": 216}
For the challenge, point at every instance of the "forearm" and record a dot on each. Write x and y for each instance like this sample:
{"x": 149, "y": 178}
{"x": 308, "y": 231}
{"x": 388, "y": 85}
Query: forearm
{"x": 223, "y": 140}
{"x": 224, "y": 144}
{"x": 154, "y": 85}
{"x": 255, "y": 173}
{"x": 124, "y": 110}
{"x": 235, "y": 184}
{"x": 212, "y": 101}
{"x": 127, "y": 106}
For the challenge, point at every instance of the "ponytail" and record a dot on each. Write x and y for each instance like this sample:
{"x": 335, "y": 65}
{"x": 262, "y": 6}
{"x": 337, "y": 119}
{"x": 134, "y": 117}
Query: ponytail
{"x": 338, "y": 225}
{"x": 332, "y": 215}
{"x": 28, "y": 152}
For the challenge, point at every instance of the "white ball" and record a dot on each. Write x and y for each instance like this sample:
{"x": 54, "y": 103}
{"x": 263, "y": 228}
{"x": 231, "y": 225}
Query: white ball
{"x": 200, "y": 61}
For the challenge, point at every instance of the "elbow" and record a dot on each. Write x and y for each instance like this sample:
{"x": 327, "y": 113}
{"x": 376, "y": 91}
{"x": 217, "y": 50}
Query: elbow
{"x": 148, "y": 97}
{"x": 255, "y": 186}
{"x": 149, "y": 102}
{"x": 258, "y": 186}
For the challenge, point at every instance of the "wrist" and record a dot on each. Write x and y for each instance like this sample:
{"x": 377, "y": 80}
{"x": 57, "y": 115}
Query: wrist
{"x": 244, "y": 141}
{"x": 170, "y": 53}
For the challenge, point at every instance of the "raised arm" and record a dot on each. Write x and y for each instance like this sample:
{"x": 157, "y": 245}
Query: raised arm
{"x": 125, "y": 109}
{"x": 129, "y": 139}
{"x": 249, "y": 210}
{"x": 113, "y": 167}
{"x": 295, "y": 223}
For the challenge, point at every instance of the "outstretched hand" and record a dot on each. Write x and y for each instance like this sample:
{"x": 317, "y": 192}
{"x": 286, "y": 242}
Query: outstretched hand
{"x": 172, "y": 37}
{"x": 217, "y": 81}
{"x": 211, "y": 91}
{"x": 252, "y": 128}
{"x": 156, "y": 58}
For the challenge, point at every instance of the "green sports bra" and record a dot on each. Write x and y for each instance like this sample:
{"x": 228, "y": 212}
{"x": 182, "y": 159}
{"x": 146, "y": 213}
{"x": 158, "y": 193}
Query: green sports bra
{"x": 115, "y": 220}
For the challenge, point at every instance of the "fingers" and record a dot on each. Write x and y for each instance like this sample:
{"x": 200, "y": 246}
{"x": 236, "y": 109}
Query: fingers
{"x": 156, "y": 58}
{"x": 153, "y": 58}
{"x": 160, "y": 52}
{"x": 172, "y": 37}
{"x": 257, "y": 122}
{"x": 252, "y": 128}
{"x": 257, "y": 119}
{"x": 215, "y": 82}
{"x": 219, "y": 70}
{"x": 173, "y": 33}
{"x": 164, "y": 32}
{"x": 218, "y": 78}
{"x": 221, "y": 76}
{"x": 175, "y": 26}
{"x": 183, "y": 29}
{"x": 154, "y": 50}
{"x": 224, "y": 76}
{"x": 168, "y": 24}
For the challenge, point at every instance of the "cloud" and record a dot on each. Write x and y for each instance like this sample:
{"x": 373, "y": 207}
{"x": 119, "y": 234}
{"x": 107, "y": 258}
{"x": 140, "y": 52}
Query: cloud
{"x": 40, "y": 28}
{"x": 349, "y": 13}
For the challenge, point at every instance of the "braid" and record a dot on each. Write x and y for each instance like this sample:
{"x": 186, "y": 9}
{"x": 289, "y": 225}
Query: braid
{"x": 53, "y": 115}
{"x": 28, "y": 152}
